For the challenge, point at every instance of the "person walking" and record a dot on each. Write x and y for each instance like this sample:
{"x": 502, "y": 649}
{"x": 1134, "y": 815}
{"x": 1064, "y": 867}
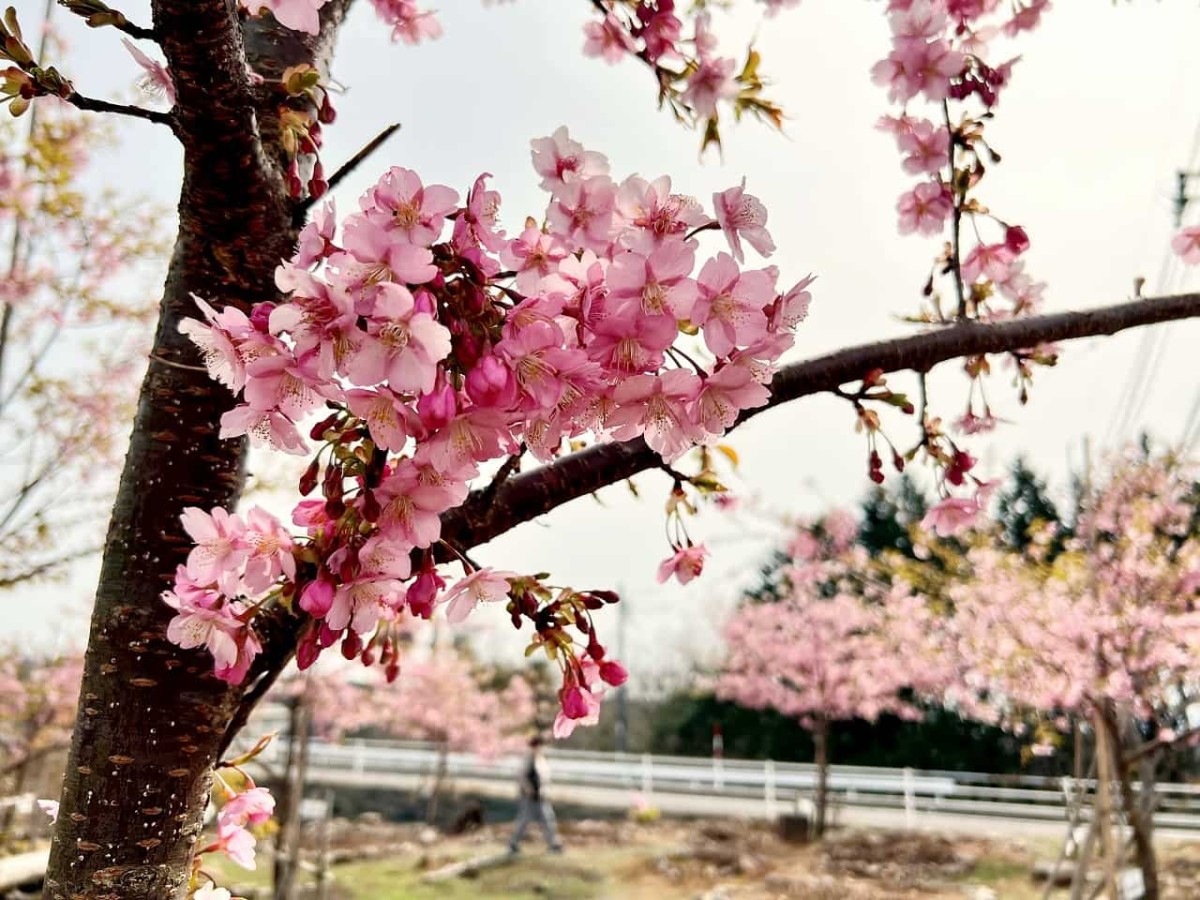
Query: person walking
{"x": 532, "y": 802}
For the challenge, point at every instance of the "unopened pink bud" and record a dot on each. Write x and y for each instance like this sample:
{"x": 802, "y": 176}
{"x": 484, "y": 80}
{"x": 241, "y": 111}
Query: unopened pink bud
{"x": 260, "y": 317}
{"x": 438, "y": 407}
{"x": 612, "y": 672}
{"x": 317, "y": 597}
{"x": 574, "y": 706}
{"x": 491, "y": 383}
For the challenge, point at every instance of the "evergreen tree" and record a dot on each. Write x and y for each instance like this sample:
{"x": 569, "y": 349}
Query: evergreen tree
{"x": 1024, "y": 503}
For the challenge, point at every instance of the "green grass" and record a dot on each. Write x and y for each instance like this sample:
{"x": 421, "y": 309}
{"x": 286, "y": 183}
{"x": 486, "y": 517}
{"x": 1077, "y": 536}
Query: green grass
{"x": 526, "y": 878}
{"x": 530, "y": 876}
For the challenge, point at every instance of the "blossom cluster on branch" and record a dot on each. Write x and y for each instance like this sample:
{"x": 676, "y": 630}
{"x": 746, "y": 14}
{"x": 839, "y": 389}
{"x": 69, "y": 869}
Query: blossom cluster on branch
{"x": 434, "y": 343}
{"x": 942, "y": 56}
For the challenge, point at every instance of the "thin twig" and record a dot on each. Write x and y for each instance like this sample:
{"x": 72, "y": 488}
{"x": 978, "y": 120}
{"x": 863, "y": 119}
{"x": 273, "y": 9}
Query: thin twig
{"x": 346, "y": 168}
{"x": 175, "y": 365}
{"x": 512, "y": 464}
{"x": 955, "y": 258}
{"x": 90, "y": 104}
{"x": 121, "y": 23}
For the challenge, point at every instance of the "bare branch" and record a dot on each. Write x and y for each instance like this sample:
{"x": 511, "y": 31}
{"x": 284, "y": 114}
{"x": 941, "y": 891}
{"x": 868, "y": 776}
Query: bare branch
{"x": 103, "y": 106}
{"x": 347, "y": 167}
{"x": 98, "y": 14}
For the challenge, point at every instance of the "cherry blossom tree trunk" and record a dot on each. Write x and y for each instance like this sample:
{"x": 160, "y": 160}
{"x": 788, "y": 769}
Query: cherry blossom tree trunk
{"x": 821, "y": 758}
{"x": 289, "y": 845}
{"x": 439, "y": 783}
{"x": 1138, "y": 815}
{"x": 152, "y": 719}
{"x": 1106, "y": 804}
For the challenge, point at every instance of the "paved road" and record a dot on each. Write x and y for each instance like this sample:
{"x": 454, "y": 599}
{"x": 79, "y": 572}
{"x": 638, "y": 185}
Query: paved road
{"x": 686, "y": 804}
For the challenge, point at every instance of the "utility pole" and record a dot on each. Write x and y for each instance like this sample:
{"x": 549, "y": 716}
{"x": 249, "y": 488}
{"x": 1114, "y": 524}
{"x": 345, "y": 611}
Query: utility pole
{"x": 622, "y": 730}
{"x": 287, "y": 863}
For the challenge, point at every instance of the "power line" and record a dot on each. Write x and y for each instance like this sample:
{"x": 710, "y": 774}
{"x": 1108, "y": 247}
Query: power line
{"x": 1191, "y": 429}
{"x": 1152, "y": 350}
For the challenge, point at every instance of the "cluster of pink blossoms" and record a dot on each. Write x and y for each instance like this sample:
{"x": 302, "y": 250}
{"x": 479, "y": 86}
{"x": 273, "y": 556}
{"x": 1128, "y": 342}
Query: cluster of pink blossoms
{"x": 692, "y": 78}
{"x": 653, "y": 32}
{"x": 939, "y": 56}
{"x": 252, "y": 806}
{"x": 939, "y": 52}
{"x": 435, "y": 343}
{"x": 408, "y": 23}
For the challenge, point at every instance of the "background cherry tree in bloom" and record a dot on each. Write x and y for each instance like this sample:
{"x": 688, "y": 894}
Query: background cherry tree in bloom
{"x": 72, "y": 338}
{"x": 1106, "y": 631}
{"x": 830, "y": 645}
{"x": 37, "y": 709}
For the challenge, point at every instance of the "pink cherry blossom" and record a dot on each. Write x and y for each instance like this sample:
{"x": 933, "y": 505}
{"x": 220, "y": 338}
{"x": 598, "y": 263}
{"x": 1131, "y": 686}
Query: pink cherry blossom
{"x": 389, "y": 418}
{"x": 924, "y": 209}
{"x": 299, "y": 15}
{"x": 254, "y": 807}
{"x": 991, "y": 261}
{"x": 217, "y": 629}
{"x": 316, "y": 237}
{"x": 533, "y": 256}
{"x": 742, "y": 215}
{"x": 238, "y": 844}
{"x": 269, "y": 550}
{"x": 608, "y": 39}
{"x": 725, "y": 394}
{"x": 402, "y": 345}
{"x": 730, "y": 305}
{"x": 157, "y": 79}
{"x": 951, "y": 515}
{"x": 560, "y": 160}
{"x": 264, "y": 427}
{"x": 219, "y": 548}
{"x": 1186, "y": 245}
{"x": 361, "y": 603}
{"x": 712, "y": 81}
{"x": 409, "y": 24}
{"x": 375, "y": 256}
{"x": 658, "y": 214}
{"x": 686, "y": 564}
{"x": 481, "y": 586}
{"x": 927, "y": 146}
{"x": 209, "y": 891}
{"x": 401, "y": 203}
{"x": 582, "y": 211}
{"x": 657, "y": 283}
{"x": 657, "y": 406}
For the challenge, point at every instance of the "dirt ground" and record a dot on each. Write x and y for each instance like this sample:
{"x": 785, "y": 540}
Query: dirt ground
{"x": 697, "y": 860}
{"x": 685, "y": 859}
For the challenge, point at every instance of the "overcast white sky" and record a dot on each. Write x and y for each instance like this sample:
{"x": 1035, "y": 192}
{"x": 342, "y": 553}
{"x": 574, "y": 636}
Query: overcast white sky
{"x": 1101, "y": 113}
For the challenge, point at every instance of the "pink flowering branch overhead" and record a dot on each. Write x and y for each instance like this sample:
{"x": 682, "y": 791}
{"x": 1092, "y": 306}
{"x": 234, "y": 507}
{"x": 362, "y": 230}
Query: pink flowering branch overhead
{"x": 437, "y": 343}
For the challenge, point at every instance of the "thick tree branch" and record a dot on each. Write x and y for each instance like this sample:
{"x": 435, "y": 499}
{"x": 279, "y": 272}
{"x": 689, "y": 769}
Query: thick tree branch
{"x": 523, "y": 497}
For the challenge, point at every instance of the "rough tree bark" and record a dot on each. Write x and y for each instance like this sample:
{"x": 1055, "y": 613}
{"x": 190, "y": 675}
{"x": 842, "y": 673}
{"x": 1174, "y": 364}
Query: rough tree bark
{"x": 151, "y": 717}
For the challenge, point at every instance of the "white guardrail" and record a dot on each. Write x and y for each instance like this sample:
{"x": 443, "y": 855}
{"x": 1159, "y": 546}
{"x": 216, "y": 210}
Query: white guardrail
{"x": 774, "y": 784}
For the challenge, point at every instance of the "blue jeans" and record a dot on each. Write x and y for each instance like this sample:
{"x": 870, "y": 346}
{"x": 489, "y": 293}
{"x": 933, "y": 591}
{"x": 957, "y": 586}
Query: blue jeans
{"x": 535, "y": 809}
